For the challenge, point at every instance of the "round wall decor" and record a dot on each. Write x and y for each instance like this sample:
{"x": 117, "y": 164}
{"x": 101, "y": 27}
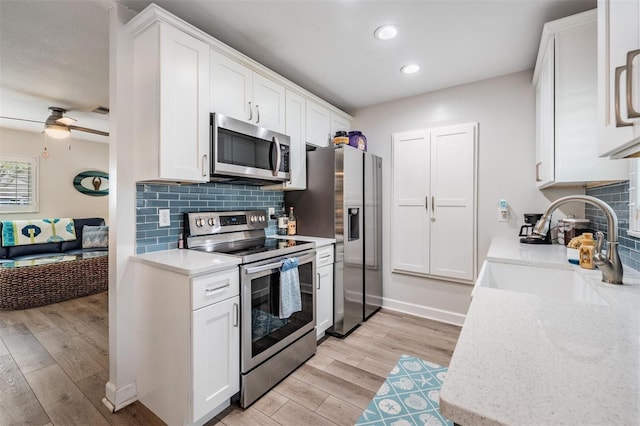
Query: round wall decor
{"x": 92, "y": 182}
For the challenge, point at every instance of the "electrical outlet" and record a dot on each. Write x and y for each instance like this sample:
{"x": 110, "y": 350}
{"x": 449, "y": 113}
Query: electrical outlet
{"x": 164, "y": 217}
{"x": 272, "y": 211}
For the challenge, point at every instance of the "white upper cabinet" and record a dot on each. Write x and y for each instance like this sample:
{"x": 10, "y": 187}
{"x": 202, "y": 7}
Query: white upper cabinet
{"x": 243, "y": 94}
{"x": 566, "y": 97}
{"x": 296, "y": 110}
{"x": 171, "y": 108}
{"x": 318, "y": 124}
{"x": 338, "y": 123}
{"x": 618, "y": 77}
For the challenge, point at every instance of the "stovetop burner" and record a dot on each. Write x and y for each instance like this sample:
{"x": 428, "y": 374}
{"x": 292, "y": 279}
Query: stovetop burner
{"x": 237, "y": 233}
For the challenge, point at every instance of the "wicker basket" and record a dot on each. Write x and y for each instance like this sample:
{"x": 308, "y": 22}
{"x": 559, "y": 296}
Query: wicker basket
{"x": 37, "y": 285}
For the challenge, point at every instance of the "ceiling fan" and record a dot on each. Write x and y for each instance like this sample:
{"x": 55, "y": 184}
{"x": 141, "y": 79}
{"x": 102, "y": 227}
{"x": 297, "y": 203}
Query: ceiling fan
{"x": 59, "y": 126}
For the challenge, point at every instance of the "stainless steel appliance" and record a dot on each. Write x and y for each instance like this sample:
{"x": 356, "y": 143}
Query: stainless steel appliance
{"x": 244, "y": 152}
{"x": 343, "y": 200}
{"x": 270, "y": 347}
{"x": 526, "y": 230}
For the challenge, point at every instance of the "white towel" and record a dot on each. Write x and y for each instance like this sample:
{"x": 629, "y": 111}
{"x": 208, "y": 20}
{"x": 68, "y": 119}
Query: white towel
{"x": 290, "y": 301}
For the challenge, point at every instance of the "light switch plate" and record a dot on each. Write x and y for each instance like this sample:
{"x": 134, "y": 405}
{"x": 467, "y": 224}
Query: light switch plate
{"x": 164, "y": 217}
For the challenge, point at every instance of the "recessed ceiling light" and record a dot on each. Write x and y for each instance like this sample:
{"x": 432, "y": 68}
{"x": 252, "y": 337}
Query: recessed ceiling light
{"x": 410, "y": 68}
{"x": 385, "y": 32}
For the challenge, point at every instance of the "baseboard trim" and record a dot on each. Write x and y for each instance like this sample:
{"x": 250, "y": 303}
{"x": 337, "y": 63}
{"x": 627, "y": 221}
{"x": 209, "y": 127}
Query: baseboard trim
{"x": 424, "y": 311}
{"x": 120, "y": 398}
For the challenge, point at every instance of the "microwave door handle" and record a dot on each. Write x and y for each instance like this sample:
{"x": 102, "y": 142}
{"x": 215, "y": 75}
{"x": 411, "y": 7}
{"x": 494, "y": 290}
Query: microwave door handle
{"x": 276, "y": 169}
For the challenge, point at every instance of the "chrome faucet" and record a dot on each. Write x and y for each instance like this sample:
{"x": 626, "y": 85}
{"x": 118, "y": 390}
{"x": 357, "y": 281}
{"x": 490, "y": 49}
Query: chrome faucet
{"x": 609, "y": 263}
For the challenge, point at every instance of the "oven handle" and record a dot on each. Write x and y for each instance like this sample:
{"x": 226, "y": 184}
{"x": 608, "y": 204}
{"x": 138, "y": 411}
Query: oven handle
{"x": 277, "y": 265}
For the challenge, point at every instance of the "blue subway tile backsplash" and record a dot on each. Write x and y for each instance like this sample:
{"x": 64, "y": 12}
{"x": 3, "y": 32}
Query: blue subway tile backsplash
{"x": 617, "y": 196}
{"x": 189, "y": 198}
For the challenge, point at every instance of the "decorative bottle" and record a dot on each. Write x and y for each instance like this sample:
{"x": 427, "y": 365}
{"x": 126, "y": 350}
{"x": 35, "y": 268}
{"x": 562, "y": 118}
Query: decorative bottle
{"x": 283, "y": 228}
{"x": 586, "y": 251}
{"x": 291, "y": 224}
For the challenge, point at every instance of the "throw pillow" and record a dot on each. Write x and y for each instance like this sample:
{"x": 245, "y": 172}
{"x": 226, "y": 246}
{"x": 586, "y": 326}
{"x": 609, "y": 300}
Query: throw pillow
{"x": 95, "y": 236}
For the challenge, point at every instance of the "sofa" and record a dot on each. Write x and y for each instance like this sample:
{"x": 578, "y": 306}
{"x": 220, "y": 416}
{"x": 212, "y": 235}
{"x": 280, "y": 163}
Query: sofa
{"x": 40, "y": 273}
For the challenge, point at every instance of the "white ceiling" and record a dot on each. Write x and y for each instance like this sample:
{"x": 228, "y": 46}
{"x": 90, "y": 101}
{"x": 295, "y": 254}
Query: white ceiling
{"x": 55, "y": 52}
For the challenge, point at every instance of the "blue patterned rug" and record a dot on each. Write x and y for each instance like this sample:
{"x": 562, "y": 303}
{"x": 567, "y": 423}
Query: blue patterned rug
{"x": 409, "y": 396}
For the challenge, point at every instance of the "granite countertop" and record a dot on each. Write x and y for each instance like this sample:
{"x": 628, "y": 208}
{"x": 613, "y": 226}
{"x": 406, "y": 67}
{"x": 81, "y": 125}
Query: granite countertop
{"x": 188, "y": 262}
{"x": 320, "y": 242}
{"x": 530, "y": 360}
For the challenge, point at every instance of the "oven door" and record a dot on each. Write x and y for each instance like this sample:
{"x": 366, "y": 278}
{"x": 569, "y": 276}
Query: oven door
{"x": 248, "y": 151}
{"x": 263, "y": 332}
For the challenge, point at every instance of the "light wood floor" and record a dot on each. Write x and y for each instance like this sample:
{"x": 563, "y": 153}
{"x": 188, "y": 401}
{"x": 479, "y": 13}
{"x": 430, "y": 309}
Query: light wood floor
{"x": 54, "y": 365}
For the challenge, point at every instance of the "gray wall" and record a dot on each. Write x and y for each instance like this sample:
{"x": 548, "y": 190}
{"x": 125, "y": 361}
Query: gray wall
{"x": 504, "y": 107}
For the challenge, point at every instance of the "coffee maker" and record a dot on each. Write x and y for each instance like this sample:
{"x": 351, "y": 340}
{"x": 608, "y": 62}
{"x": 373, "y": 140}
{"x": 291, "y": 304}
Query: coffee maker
{"x": 526, "y": 230}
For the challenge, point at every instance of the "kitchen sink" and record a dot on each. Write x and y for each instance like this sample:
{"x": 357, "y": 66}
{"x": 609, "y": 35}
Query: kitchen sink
{"x": 546, "y": 282}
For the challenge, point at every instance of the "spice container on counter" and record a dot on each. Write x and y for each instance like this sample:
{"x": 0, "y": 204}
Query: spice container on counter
{"x": 341, "y": 138}
{"x": 571, "y": 227}
{"x": 587, "y": 248}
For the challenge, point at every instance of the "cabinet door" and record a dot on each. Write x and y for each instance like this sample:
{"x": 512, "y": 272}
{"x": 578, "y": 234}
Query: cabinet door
{"x": 215, "y": 355}
{"x": 184, "y": 115}
{"x": 452, "y": 213}
{"x": 410, "y": 235}
{"x": 231, "y": 87}
{"x": 268, "y": 104}
{"x": 295, "y": 128}
{"x": 324, "y": 299}
{"x": 318, "y": 124}
{"x": 545, "y": 130}
{"x": 618, "y": 33}
{"x": 339, "y": 123}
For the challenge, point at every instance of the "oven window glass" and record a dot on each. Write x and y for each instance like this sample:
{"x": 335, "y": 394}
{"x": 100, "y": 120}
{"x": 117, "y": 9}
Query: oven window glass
{"x": 267, "y": 329}
{"x": 242, "y": 150}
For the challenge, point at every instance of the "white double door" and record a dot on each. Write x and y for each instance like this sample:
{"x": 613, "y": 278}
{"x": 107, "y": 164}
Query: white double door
{"x": 434, "y": 197}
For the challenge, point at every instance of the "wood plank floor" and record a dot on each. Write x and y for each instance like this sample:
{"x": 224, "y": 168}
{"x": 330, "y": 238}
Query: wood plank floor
{"x": 54, "y": 365}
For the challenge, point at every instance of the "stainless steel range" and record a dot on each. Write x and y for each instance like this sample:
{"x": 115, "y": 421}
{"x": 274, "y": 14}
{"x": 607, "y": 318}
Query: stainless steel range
{"x": 270, "y": 347}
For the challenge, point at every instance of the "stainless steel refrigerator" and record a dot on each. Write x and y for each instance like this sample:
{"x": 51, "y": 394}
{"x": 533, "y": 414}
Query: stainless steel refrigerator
{"x": 343, "y": 200}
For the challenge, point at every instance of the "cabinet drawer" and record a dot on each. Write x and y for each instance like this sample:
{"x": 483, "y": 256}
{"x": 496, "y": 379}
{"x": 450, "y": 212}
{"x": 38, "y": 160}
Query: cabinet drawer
{"x": 324, "y": 256}
{"x": 208, "y": 289}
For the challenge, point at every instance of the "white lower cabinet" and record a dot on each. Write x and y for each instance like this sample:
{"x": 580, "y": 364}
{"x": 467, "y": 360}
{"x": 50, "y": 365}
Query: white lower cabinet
{"x": 324, "y": 289}
{"x": 215, "y": 368}
{"x": 188, "y": 337}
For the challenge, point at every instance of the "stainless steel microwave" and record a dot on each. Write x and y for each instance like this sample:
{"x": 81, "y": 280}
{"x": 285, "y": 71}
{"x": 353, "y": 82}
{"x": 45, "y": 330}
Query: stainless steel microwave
{"x": 244, "y": 152}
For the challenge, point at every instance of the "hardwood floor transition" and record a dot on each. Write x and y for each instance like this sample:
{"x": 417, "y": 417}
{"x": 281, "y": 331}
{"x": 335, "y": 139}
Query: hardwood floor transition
{"x": 54, "y": 364}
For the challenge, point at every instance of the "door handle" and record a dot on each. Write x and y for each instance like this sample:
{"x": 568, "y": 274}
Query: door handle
{"x": 257, "y": 114}
{"x": 631, "y": 111}
{"x": 250, "y": 112}
{"x": 426, "y": 203}
{"x": 538, "y": 172}
{"x": 318, "y": 274}
{"x": 276, "y": 169}
{"x": 619, "y": 121}
{"x": 433, "y": 209}
{"x": 204, "y": 165}
{"x": 236, "y": 315}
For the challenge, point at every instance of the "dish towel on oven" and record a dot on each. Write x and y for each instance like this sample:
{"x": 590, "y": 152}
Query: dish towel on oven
{"x": 290, "y": 301}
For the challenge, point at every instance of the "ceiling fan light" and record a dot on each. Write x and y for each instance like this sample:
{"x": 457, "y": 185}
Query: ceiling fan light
{"x": 56, "y": 131}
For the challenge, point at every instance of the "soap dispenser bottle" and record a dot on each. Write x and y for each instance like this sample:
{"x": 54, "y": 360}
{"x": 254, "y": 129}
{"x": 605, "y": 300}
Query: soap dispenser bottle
{"x": 587, "y": 248}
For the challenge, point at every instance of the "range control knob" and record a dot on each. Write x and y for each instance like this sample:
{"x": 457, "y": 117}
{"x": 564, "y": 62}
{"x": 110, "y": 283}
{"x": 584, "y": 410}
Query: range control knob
{"x": 211, "y": 221}
{"x": 199, "y": 222}
{"x": 261, "y": 218}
